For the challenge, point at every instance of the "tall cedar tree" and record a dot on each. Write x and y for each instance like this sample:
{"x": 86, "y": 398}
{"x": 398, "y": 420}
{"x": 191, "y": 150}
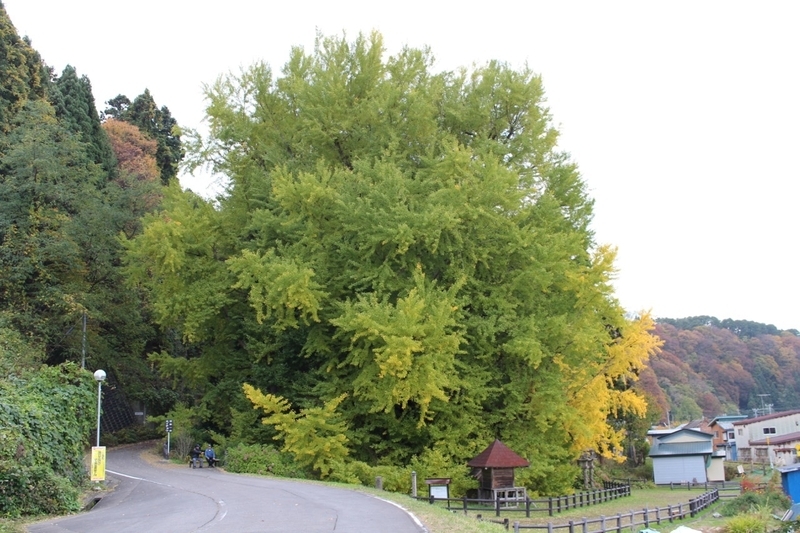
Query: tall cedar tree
{"x": 22, "y": 74}
{"x": 74, "y": 104}
{"x": 409, "y": 244}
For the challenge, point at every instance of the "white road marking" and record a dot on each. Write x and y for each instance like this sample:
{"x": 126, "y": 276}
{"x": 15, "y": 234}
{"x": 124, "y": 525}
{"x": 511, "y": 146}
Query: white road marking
{"x": 412, "y": 515}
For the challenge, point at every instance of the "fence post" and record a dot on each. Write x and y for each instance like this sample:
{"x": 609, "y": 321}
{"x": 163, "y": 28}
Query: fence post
{"x": 527, "y": 507}
{"x": 465, "y": 504}
{"x": 619, "y": 522}
{"x": 584, "y": 527}
{"x": 571, "y": 526}
{"x": 549, "y": 527}
{"x": 413, "y": 483}
{"x": 658, "y": 515}
{"x": 669, "y": 511}
{"x": 516, "y": 527}
{"x": 497, "y": 505}
{"x": 603, "y": 523}
{"x": 646, "y": 518}
{"x": 505, "y": 523}
{"x": 430, "y": 499}
{"x": 550, "y": 506}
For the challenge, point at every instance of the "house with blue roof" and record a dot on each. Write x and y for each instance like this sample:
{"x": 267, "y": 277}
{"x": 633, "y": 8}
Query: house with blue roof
{"x": 686, "y": 455}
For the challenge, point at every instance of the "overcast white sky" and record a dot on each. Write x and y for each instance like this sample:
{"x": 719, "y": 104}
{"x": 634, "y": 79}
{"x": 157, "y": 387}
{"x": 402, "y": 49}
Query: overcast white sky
{"x": 683, "y": 116}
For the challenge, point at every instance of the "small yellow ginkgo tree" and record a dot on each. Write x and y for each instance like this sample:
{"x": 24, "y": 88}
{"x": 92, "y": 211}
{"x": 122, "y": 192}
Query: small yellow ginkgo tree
{"x": 315, "y": 436}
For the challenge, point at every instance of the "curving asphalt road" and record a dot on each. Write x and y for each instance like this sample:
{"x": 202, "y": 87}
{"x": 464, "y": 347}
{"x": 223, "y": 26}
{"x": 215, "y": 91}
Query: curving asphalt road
{"x": 156, "y": 498}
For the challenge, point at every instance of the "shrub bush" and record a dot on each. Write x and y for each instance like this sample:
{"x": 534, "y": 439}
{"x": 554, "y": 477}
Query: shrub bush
{"x": 134, "y": 434}
{"x": 751, "y": 501}
{"x": 746, "y": 523}
{"x": 47, "y": 416}
{"x": 35, "y": 490}
{"x": 262, "y": 459}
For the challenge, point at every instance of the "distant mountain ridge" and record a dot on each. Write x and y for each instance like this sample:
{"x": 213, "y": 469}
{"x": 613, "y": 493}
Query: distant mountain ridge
{"x": 709, "y": 367}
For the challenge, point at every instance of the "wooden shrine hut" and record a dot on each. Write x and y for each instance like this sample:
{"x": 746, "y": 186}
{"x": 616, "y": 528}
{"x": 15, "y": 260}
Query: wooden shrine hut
{"x": 494, "y": 469}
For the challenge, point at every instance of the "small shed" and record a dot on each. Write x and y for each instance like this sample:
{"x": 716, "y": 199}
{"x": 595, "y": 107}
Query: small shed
{"x": 790, "y": 479}
{"x": 494, "y": 469}
{"x": 685, "y": 455}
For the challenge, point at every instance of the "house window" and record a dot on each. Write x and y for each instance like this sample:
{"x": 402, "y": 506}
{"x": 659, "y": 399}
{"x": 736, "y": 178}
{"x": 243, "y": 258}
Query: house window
{"x": 741, "y": 432}
{"x": 744, "y": 454}
{"x": 761, "y": 453}
{"x": 731, "y": 436}
{"x": 769, "y": 431}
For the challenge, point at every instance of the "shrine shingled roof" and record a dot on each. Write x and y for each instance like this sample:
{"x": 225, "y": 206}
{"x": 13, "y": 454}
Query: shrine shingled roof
{"x": 498, "y": 455}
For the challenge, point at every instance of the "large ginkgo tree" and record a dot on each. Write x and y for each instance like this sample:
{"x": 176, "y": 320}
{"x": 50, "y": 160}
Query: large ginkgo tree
{"x": 407, "y": 244}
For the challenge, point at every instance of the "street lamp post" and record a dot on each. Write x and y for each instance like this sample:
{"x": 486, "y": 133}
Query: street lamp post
{"x": 99, "y": 376}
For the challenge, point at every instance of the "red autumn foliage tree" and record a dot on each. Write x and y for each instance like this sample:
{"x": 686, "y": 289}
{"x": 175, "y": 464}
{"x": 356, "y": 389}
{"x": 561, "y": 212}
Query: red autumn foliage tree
{"x": 136, "y": 154}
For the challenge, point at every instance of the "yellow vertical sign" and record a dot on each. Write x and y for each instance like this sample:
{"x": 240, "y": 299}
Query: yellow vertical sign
{"x": 98, "y": 470}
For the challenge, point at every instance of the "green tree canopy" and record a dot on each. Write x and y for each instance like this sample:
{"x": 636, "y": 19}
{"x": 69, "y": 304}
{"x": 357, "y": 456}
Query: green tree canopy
{"x": 408, "y": 243}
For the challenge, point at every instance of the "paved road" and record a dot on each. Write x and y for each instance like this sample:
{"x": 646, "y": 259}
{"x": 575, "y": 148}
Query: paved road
{"x": 155, "y": 498}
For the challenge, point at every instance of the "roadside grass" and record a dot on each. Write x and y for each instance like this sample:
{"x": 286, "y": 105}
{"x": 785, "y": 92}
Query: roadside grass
{"x": 7, "y": 525}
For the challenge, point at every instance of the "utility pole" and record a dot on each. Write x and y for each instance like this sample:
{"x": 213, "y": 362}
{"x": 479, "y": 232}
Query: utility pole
{"x": 765, "y": 409}
{"x": 83, "y": 353}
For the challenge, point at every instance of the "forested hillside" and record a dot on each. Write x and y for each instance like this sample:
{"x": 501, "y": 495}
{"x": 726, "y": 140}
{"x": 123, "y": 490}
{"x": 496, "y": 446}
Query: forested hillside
{"x": 707, "y": 367}
{"x": 70, "y": 185}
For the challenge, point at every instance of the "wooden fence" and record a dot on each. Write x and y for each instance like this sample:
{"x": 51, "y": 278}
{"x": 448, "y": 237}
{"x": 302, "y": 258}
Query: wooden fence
{"x": 611, "y": 490}
{"x": 629, "y": 521}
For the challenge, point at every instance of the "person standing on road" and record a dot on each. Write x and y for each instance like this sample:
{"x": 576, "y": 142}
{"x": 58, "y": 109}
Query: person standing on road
{"x": 211, "y": 456}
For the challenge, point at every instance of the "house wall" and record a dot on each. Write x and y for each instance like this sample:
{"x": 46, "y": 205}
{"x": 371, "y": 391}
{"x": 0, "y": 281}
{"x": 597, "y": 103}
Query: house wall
{"x": 745, "y": 432}
{"x": 785, "y": 455}
{"x": 685, "y": 436}
{"x": 502, "y": 478}
{"x": 716, "y": 471}
{"x": 681, "y": 469}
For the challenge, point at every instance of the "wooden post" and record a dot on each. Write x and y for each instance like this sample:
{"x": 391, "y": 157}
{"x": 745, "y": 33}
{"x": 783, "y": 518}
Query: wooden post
{"x": 646, "y": 518}
{"x": 465, "y": 504}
